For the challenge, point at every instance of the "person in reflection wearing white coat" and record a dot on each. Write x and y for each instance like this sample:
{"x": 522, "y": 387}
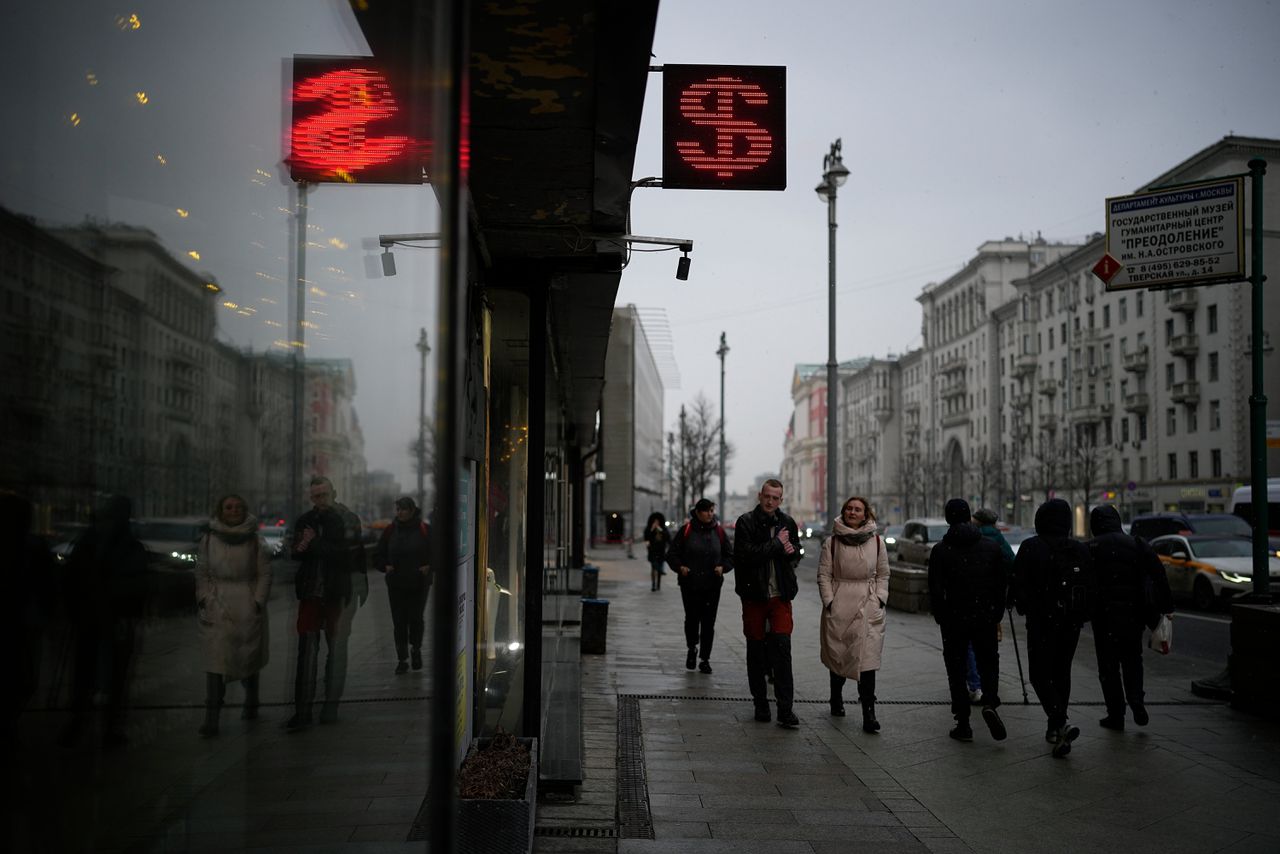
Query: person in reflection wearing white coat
{"x": 233, "y": 580}
{"x": 853, "y": 580}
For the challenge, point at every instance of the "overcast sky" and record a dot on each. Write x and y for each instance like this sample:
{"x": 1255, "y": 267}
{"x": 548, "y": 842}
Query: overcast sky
{"x": 961, "y": 123}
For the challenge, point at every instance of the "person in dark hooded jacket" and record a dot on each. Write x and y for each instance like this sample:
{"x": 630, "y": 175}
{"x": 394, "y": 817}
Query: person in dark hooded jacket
{"x": 404, "y": 554}
{"x": 700, "y": 554}
{"x": 968, "y": 587}
{"x": 1133, "y": 591}
{"x": 1053, "y": 585}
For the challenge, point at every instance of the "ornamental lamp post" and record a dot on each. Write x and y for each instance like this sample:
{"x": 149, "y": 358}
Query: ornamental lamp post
{"x": 834, "y": 174}
{"x": 722, "y": 352}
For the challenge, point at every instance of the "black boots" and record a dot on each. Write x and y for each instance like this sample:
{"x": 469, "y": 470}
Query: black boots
{"x": 215, "y": 690}
{"x": 837, "y": 695}
{"x": 691, "y": 660}
{"x": 416, "y": 657}
{"x": 867, "y": 697}
{"x": 250, "y": 710}
{"x": 869, "y": 722}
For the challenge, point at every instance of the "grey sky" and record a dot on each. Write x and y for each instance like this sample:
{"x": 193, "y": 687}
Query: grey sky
{"x": 961, "y": 122}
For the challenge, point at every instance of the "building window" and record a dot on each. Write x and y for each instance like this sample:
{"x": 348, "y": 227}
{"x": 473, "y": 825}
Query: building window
{"x": 1213, "y": 367}
{"x": 1137, "y": 304}
{"x": 1173, "y": 467}
{"x": 1192, "y": 419}
{"x": 1142, "y": 430}
{"x": 1168, "y": 331}
{"x": 1091, "y": 320}
{"x": 1193, "y": 464}
{"x": 1215, "y": 415}
{"x": 1124, "y": 429}
{"x": 1050, "y": 337}
{"x": 1168, "y": 376}
{"x": 1215, "y": 463}
{"x": 1124, "y": 309}
{"x": 1213, "y": 319}
{"x": 1106, "y": 317}
{"x": 1171, "y": 421}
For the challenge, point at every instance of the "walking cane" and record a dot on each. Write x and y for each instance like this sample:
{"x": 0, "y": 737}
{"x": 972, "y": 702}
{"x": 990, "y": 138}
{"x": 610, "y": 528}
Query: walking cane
{"x": 1017, "y": 655}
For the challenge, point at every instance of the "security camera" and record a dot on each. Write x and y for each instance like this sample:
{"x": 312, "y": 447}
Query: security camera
{"x": 682, "y": 268}
{"x": 388, "y": 263}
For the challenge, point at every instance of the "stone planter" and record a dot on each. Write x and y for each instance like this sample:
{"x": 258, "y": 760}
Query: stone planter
{"x": 501, "y": 825}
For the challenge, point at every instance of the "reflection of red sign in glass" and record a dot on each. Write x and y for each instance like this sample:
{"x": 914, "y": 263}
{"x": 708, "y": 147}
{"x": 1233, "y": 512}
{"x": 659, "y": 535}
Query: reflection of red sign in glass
{"x": 724, "y": 127}
{"x": 349, "y": 125}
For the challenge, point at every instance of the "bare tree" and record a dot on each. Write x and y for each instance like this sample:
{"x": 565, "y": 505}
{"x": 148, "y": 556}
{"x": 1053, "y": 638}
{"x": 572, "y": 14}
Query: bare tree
{"x": 1085, "y": 461}
{"x": 1048, "y": 463}
{"x": 989, "y": 471}
{"x": 698, "y": 458}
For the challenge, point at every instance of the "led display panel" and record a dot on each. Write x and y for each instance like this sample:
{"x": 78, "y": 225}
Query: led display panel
{"x": 724, "y": 127}
{"x": 352, "y": 122}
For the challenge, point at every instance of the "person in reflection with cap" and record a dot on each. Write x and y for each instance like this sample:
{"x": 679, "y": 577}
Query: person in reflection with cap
{"x": 968, "y": 586}
{"x": 403, "y": 553}
{"x": 700, "y": 554}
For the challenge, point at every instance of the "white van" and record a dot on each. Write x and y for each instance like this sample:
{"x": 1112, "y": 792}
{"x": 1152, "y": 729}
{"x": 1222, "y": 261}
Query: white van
{"x": 1242, "y": 505}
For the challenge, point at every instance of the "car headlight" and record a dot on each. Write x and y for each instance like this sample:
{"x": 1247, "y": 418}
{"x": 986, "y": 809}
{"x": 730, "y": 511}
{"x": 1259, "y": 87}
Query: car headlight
{"x": 888, "y": 541}
{"x": 1235, "y": 578}
{"x": 802, "y": 551}
{"x": 185, "y": 557}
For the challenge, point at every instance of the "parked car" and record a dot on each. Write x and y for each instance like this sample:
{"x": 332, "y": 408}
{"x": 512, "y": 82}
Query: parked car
{"x": 1242, "y": 506}
{"x": 171, "y": 543}
{"x": 919, "y": 536}
{"x": 1015, "y": 537}
{"x": 272, "y": 532}
{"x": 1154, "y": 525}
{"x": 1208, "y": 568}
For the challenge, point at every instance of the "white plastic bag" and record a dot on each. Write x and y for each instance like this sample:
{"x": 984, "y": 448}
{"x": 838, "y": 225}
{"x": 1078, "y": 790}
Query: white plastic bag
{"x": 1162, "y": 636}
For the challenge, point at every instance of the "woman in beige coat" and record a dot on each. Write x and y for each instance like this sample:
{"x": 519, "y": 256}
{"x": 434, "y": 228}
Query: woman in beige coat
{"x": 233, "y": 579}
{"x": 853, "y": 579}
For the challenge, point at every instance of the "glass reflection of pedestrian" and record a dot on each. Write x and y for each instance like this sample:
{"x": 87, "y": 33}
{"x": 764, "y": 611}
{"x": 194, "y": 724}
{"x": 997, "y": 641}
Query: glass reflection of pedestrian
{"x": 404, "y": 553}
{"x": 106, "y": 586}
{"x": 233, "y": 580}
{"x": 657, "y": 538}
{"x": 330, "y": 585}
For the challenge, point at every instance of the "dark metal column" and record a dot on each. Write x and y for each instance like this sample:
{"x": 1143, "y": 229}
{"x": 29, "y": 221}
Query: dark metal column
{"x": 535, "y": 521}
{"x": 1258, "y": 400}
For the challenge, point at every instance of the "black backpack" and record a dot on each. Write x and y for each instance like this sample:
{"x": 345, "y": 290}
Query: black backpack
{"x": 1070, "y": 585}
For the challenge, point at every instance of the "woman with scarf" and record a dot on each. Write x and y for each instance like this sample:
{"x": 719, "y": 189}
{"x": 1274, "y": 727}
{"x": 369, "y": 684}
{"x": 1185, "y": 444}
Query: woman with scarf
{"x": 853, "y": 580}
{"x": 233, "y": 580}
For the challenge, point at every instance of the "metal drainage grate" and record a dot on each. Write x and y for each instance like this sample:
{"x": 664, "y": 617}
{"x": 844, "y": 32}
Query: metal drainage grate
{"x": 879, "y": 702}
{"x": 634, "y": 819}
{"x": 596, "y": 832}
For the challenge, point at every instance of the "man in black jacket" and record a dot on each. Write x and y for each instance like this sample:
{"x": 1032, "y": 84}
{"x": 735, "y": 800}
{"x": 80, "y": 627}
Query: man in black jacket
{"x": 968, "y": 585}
{"x": 700, "y": 554}
{"x": 1133, "y": 593}
{"x": 765, "y": 553}
{"x": 1054, "y": 586}
{"x": 331, "y": 585}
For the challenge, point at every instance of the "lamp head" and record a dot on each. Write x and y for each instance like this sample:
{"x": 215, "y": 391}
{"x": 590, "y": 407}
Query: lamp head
{"x": 388, "y": 263}
{"x": 837, "y": 173}
{"x": 823, "y": 190}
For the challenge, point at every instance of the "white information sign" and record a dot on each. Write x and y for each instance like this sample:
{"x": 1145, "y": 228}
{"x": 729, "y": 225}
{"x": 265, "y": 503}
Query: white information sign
{"x": 1179, "y": 235}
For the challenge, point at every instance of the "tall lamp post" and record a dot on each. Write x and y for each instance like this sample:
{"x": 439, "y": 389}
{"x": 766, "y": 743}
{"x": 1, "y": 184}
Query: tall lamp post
{"x": 722, "y": 352}
{"x": 834, "y": 174}
{"x": 424, "y": 349}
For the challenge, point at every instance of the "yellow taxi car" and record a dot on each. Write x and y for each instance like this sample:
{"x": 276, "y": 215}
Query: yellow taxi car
{"x": 1207, "y": 568}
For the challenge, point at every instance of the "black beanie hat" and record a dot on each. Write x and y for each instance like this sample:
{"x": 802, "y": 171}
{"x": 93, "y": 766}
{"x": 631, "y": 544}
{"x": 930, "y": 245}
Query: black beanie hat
{"x": 957, "y": 511}
{"x": 704, "y": 504}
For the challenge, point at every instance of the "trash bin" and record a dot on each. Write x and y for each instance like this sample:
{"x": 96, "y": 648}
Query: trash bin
{"x": 595, "y": 625}
{"x": 590, "y": 581}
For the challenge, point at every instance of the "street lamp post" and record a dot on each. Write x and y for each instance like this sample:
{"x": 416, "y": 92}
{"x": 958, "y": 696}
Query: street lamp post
{"x": 424, "y": 349}
{"x": 722, "y": 352}
{"x": 834, "y": 174}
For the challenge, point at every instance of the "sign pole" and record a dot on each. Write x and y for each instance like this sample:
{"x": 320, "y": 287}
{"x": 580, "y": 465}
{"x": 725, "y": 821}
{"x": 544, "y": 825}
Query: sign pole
{"x": 1258, "y": 400}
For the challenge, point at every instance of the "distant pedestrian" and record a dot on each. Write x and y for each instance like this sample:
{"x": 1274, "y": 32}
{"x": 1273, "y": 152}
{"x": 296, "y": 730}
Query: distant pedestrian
{"x": 701, "y": 554}
{"x": 403, "y": 553}
{"x": 658, "y": 540}
{"x": 853, "y": 581}
{"x": 765, "y": 553}
{"x": 1054, "y": 586}
{"x": 968, "y": 587}
{"x": 331, "y": 585}
{"x": 1133, "y": 591}
{"x": 233, "y": 581}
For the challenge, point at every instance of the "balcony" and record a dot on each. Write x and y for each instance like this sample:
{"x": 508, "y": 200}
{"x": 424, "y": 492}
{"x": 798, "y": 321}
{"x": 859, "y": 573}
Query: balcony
{"x": 952, "y": 363}
{"x": 1137, "y": 402}
{"x": 1186, "y": 344}
{"x": 1021, "y": 401}
{"x": 1048, "y": 387}
{"x": 1024, "y": 364}
{"x": 955, "y": 388}
{"x": 1187, "y": 391}
{"x": 956, "y": 419}
{"x": 882, "y": 410}
{"x": 1185, "y": 299}
{"x": 1137, "y": 361}
{"x": 1089, "y": 413}
{"x": 1086, "y": 335}
{"x": 1048, "y": 422}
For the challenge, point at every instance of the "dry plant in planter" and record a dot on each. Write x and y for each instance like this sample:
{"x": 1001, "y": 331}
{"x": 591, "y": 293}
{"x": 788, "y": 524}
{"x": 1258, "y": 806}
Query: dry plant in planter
{"x": 496, "y": 770}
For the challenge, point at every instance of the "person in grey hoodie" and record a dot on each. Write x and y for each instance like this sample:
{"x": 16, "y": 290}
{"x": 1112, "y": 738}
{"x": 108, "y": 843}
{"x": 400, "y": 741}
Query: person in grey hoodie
{"x": 1053, "y": 585}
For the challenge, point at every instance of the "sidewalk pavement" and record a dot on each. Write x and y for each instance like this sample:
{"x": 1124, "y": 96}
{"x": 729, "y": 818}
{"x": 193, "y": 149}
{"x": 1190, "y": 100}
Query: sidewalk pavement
{"x": 675, "y": 762}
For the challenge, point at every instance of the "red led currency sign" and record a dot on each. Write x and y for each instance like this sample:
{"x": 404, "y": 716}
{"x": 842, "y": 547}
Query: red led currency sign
{"x": 348, "y": 125}
{"x": 724, "y": 127}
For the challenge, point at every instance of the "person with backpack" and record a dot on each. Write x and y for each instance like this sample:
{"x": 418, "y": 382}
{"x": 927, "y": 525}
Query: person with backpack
{"x": 853, "y": 580}
{"x": 968, "y": 587}
{"x": 700, "y": 554}
{"x": 404, "y": 554}
{"x": 1133, "y": 592}
{"x": 1054, "y": 586}
{"x": 658, "y": 539}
